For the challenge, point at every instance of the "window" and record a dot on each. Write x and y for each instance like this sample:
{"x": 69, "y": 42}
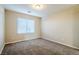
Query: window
{"x": 25, "y": 26}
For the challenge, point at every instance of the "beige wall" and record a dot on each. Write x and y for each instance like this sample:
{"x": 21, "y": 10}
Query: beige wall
{"x": 11, "y": 35}
{"x": 76, "y": 27}
{"x": 62, "y": 27}
{"x": 2, "y": 22}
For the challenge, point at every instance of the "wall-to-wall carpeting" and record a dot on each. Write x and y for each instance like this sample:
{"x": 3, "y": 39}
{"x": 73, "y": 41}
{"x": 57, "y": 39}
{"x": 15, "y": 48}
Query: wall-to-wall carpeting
{"x": 38, "y": 47}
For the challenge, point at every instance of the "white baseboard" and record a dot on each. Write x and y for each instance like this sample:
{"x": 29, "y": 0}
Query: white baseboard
{"x": 2, "y": 49}
{"x": 60, "y": 43}
{"x": 21, "y": 40}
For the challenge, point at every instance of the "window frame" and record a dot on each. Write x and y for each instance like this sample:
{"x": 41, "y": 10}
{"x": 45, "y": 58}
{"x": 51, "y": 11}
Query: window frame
{"x": 26, "y": 32}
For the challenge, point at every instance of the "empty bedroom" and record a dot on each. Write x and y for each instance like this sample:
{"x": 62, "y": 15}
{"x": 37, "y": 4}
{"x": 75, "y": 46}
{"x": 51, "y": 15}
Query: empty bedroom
{"x": 39, "y": 29}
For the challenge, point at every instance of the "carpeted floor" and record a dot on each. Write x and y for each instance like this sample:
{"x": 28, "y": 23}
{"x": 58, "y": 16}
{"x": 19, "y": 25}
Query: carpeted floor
{"x": 38, "y": 47}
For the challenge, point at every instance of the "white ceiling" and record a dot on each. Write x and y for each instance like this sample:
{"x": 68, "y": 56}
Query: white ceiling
{"x": 47, "y": 10}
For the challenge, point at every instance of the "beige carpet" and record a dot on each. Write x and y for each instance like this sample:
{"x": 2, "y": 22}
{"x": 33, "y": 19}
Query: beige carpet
{"x": 38, "y": 47}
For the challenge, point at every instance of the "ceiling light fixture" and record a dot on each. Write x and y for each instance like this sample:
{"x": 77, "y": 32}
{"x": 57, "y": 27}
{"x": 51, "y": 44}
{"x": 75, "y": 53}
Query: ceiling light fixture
{"x": 37, "y": 6}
